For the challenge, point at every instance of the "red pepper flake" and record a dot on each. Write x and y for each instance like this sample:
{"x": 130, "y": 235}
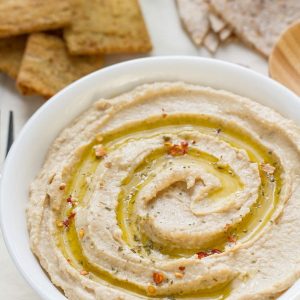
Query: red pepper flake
{"x": 216, "y": 251}
{"x": 158, "y": 278}
{"x": 177, "y": 149}
{"x": 202, "y": 254}
{"x": 71, "y": 215}
{"x": 70, "y": 200}
{"x": 184, "y": 146}
{"x": 181, "y": 268}
{"x": 66, "y": 223}
{"x": 231, "y": 239}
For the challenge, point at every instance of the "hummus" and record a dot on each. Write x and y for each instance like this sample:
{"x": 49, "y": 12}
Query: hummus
{"x": 170, "y": 191}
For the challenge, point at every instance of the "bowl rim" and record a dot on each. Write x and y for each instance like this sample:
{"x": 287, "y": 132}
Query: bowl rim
{"x": 52, "y": 102}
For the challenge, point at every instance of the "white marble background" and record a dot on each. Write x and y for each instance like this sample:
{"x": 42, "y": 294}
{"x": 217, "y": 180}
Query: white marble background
{"x": 168, "y": 39}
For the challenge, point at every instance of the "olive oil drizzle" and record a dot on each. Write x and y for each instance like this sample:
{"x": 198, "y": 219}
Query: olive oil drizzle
{"x": 126, "y": 218}
{"x": 260, "y": 214}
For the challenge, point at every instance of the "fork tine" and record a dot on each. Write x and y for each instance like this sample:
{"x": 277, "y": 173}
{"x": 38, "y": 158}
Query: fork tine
{"x": 10, "y": 137}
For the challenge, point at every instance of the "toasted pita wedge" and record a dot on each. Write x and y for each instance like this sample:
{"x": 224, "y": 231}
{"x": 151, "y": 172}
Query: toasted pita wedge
{"x": 11, "y": 53}
{"x": 107, "y": 26}
{"x": 258, "y": 23}
{"x": 211, "y": 42}
{"x": 216, "y": 23}
{"x": 25, "y": 16}
{"x": 225, "y": 34}
{"x": 47, "y": 67}
{"x": 194, "y": 17}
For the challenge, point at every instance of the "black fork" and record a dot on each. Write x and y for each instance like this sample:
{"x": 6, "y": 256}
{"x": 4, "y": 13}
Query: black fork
{"x": 10, "y": 136}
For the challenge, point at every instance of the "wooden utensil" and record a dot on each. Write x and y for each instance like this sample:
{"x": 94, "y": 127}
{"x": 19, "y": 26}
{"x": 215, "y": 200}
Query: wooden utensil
{"x": 284, "y": 62}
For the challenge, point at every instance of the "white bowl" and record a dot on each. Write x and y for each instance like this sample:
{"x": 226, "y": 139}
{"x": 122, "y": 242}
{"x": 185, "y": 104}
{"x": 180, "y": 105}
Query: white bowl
{"x": 28, "y": 152}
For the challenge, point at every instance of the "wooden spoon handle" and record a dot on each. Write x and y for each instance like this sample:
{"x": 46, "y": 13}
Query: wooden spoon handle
{"x": 284, "y": 62}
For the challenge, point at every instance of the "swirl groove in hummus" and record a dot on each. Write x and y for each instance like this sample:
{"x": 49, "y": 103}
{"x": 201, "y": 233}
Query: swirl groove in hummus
{"x": 170, "y": 191}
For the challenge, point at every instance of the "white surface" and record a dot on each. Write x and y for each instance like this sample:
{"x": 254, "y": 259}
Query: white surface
{"x": 168, "y": 39}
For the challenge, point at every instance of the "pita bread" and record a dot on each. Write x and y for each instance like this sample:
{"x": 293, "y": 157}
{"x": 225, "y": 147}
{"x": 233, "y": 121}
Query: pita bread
{"x": 47, "y": 67}
{"x": 25, "y": 16}
{"x": 216, "y": 23}
{"x": 225, "y": 33}
{"x": 258, "y": 23}
{"x": 107, "y": 26}
{"x": 211, "y": 42}
{"x": 194, "y": 17}
{"x": 11, "y": 53}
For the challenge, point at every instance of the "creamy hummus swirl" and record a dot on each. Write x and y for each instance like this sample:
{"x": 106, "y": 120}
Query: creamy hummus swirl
{"x": 170, "y": 191}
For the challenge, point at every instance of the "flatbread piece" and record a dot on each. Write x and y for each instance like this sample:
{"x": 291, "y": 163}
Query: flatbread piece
{"x": 11, "y": 53}
{"x": 258, "y": 23}
{"x": 25, "y": 16}
{"x": 216, "y": 23}
{"x": 47, "y": 67}
{"x": 194, "y": 17}
{"x": 211, "y": 42}
{"x": 225, "y": 33}
{"x": 107, "y": 26}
